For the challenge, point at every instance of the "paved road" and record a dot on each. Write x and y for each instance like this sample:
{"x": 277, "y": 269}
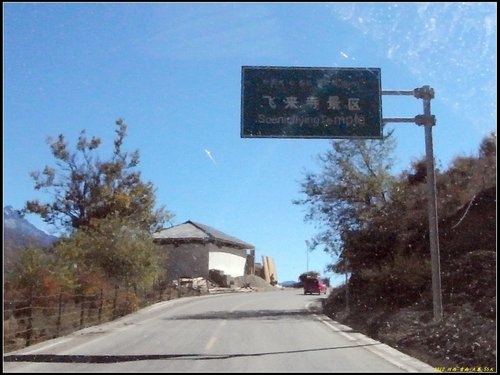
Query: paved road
{"x": 239, "y": 332}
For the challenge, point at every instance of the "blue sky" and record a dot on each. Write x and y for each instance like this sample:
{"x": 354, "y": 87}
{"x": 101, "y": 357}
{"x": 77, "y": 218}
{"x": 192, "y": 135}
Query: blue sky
{"x": 172, "y": 71}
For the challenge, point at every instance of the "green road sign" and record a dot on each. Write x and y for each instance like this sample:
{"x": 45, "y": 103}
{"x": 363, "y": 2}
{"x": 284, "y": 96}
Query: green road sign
{"x": 292, "y": 102}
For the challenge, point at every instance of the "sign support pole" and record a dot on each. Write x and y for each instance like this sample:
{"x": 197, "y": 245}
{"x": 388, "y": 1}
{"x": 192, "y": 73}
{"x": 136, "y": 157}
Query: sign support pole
{"x": 296, "y": 102}
{"x": 428, "y": 121}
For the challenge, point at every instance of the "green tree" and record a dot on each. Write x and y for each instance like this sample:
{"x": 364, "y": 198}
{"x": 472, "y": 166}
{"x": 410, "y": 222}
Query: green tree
{"x": 488, "y": 160}
{"x": 309, "y": 274}
{"x": 37, "y": 272}
{"x": 113, "y": 246}
{"x": 466, "y": 177}
{"x": 84, "y": 188}
{"x": 28, "y": 272}
{"x": 351, "y": 190}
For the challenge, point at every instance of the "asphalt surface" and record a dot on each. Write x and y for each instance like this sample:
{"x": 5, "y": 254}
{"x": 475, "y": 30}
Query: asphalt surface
{"x": 278, "y": 331}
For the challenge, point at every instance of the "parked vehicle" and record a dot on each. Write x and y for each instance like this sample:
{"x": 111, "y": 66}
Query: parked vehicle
{"x": 314, "y": 285}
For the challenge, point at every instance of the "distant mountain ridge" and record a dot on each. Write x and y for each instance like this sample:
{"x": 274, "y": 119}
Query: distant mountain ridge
{"x": 14, "y": 223}
{"x": 19, "y": 233}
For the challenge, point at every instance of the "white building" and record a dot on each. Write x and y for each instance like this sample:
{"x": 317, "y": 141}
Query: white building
{"x": 193, "y": 249}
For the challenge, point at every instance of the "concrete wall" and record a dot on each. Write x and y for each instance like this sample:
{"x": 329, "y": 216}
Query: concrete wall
{"x": 229, "y": 260}
{"x": 196, "y": 259}
{"x": 269, "y": 269}
{"x": 231, "y": 264}
{"x": 273, "y": 274}
{"x": 250, "y": 264}
{"x": 186, "y": 260}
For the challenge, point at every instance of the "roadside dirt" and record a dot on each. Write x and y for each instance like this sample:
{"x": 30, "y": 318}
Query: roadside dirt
{"x": 465, "y": 339}
{"x": 462, "y": 340}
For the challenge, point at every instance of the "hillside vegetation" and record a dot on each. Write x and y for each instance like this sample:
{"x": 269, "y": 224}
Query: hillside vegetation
{"x": 389, "y": 292}
{"x": 466, "y": 337}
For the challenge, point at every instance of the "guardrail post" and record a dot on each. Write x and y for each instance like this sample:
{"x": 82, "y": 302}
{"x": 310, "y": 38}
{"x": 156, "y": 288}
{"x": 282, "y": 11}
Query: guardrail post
{"x": 59, "y": 315}
{"x": 82, "y": 308}
{"x": 29, "y": 329}
{"x": 115, "y": 301}
{"x": 99, "y": 315}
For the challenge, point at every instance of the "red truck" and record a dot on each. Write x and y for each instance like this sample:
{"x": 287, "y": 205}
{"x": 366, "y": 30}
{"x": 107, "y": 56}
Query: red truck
{"x": 314, "y": 285}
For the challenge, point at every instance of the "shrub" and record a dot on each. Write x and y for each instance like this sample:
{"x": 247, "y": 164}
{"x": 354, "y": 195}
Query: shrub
{"x": 127, "y": 303}
{"x": 405, "y": 281}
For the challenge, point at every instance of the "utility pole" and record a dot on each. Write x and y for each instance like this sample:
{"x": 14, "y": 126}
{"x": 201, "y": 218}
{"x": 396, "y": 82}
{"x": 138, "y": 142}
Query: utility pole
{"x": 308, "y": 246}
{"x": 356, "y": 85}
{"x": 426, "y": 93}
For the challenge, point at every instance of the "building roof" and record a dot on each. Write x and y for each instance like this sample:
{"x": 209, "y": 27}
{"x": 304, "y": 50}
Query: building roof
{"x": 192, "y": 231}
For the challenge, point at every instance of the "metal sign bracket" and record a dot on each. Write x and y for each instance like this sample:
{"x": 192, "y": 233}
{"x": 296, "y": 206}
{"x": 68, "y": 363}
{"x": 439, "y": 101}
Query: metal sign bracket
{"x": 427, "y": 120}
